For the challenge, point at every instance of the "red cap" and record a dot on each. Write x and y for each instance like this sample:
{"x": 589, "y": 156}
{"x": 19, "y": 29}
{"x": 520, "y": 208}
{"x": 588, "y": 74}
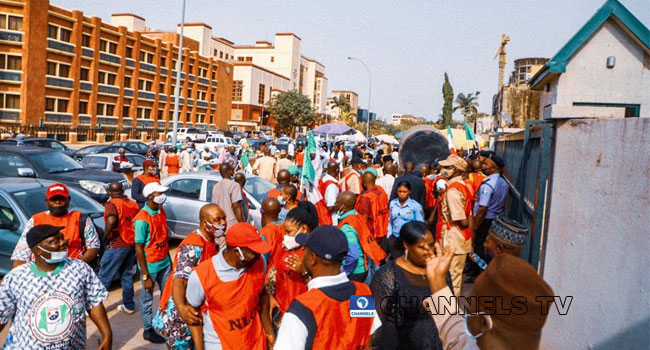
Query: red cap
{"x": 243, "y": 234}
{"x": 57, "y": 190}
{"x": 147, "y": 163}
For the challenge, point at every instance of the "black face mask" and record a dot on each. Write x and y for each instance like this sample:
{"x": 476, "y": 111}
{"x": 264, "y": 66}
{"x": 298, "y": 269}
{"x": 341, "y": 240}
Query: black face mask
{"x": 58, "y": 211}
{"x": 486, "y": 173}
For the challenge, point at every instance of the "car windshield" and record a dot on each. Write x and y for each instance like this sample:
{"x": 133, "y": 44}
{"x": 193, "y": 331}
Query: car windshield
{"x": 136, "y": 160}
{"x": 258, "y": 187}
{"x": 53, "y": 162}
{"x": 78, "y": 201}
{"x": 137, "y": 146}
{"x": 89, "y": 150}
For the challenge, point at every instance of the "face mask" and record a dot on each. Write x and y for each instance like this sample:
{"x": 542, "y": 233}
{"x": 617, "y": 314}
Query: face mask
{"x": 160, "y": 199}
{"x": 58, "y": 211}
{"x": 220, "y": 241}
{"x": 55, "y": 257}
{"x": 446, "y": 173}
{"x": 467, "y": 331}
{"x": 485, "y": 172}
{"x": 289, "y": 242}
{"x": 216, "y": 230}
{"x": 282, "y": 201}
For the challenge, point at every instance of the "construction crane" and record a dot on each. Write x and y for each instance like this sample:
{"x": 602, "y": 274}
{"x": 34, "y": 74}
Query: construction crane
{"x": 502, "y": 58}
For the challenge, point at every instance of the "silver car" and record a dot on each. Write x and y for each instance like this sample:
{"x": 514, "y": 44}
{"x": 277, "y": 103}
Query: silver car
{"x": 188, "y": 192}
{"x": 104, "y": 161}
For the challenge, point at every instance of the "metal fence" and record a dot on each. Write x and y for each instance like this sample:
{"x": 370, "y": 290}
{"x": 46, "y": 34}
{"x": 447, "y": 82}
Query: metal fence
{"x": 528, "y": 167}
{"x": 84, "y": 133}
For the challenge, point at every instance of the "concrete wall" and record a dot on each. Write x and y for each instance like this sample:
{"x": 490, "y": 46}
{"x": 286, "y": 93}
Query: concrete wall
{"x": 598, "y": 235}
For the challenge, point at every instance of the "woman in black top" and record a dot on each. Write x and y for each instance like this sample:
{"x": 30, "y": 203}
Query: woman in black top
{"x": 399, "y": 287}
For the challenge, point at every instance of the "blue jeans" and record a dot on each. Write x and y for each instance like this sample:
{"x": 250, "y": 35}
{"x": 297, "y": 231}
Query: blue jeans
{"x": 146, "y": 299}
{"x": 120, "y": 261}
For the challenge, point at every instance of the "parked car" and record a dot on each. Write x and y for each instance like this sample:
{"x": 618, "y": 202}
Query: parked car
{"x": 82, "y": 152}
{"x": 104, "y": 161}
{"x": 187, "y": 134}
{"x": 221, "y": 141}
{"x": 188, "y": 192}
{"x": 20, "y": 199}
{"x": 39, "y": 142}
{"x": 256, "y": 143}
{"x": 136, "y": 147}
{"x": 283, "y": 140}
{"x": 42, "y": 163}
{"x": 238, "y": 135}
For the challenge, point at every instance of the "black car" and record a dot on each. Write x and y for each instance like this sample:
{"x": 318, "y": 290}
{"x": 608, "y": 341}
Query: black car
{"x": 39, "y": 142}
{"x": 136, "y": 147}
{"x": 26, "y": 161}
{"x": 256, "y": 143}
{"x": 82, "y": 152}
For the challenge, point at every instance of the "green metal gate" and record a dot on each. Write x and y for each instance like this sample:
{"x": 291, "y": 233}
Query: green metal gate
{"x": 528, "y": 167}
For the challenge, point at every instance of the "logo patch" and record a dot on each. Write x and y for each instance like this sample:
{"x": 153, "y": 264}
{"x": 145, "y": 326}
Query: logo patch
{"x": 362, "y": 306}
{"x": 51, "y": 317}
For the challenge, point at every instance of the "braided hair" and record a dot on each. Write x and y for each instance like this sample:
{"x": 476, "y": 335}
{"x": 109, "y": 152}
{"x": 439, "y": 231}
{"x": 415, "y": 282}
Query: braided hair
{"x": 305, "y": 213}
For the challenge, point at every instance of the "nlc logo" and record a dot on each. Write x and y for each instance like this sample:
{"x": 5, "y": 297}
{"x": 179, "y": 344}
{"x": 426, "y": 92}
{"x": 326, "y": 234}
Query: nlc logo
{"x": 362, "y": 306}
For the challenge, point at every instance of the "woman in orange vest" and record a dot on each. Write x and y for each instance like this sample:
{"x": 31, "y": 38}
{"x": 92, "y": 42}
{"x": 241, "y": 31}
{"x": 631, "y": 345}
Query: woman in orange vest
{"x": 286, "y": 277}
{"x": 172, "y": 162}
{"x": 175, "y": 314}
{"x": 231, "y": 287}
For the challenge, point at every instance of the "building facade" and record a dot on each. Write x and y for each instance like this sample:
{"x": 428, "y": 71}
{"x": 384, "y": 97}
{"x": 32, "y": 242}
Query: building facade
{"x": 65, "y": 69}
{"x": 350, "y": 96}
{"x": 526, "y": 68}
{"x": 362, "y": 115}
{"x": 397, "y": 119}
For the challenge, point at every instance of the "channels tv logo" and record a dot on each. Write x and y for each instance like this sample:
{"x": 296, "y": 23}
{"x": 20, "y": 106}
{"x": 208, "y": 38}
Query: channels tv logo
{"x": 362, "y": 306}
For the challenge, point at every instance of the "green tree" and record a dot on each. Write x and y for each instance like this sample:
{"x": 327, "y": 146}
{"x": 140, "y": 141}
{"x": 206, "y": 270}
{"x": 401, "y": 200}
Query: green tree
{"x": 291, "y": 109}
{"x": 345, "y": 111}
{"x": 448, "y": 96}
{"x": 468, "y": 105}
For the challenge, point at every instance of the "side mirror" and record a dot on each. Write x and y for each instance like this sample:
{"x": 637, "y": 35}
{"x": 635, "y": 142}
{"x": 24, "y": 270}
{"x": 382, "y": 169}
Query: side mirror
{"x": 26, "y": 172}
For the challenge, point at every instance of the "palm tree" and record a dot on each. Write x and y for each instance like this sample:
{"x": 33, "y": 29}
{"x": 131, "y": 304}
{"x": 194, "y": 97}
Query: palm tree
{"x": 343, "y": 105}
{"x": 468, "y": 104}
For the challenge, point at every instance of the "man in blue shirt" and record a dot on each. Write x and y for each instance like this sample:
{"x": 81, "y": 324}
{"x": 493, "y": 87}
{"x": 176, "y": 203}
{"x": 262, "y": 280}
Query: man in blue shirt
{"x": 490, "y": 202}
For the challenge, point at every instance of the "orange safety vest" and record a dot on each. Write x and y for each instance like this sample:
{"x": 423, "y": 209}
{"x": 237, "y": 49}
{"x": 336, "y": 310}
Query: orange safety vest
{"x": 288, "y": 284}
{"x": 370, "y": 247}
{"x": 233, "y": 306}
{"x": 173, "y": 164}
{"x": 463, "y": 188}
{"x": 379, "y": 211}
{"x": 127, "y": 209}
{"x": 273, "y": 193}
{"x": 70, "y": 223}
{"x": 345, "y": 181}
{"x": 323, "y": 185}
{"x": 208, "y": 250}
{"x": 430, "y": 187}
{"x": 328, "y": 320}
{"x": 158, "y": 247}
{"x": 146, "y": 179}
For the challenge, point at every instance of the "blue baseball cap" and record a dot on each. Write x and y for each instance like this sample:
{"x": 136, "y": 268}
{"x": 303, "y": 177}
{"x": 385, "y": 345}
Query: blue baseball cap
{"x": 327, "y": 242}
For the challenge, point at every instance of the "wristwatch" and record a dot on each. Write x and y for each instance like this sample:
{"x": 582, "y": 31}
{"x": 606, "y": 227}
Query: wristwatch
{"x": 145, "y": 277}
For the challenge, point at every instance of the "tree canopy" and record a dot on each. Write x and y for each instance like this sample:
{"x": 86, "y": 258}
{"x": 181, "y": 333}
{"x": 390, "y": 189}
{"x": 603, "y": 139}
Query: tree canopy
{"x": 447, "y": 107}
{"x": 291, "y": 109}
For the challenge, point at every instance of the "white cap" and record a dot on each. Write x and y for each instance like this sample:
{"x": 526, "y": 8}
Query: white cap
{"x": 441, "y": 185}
{"x": 153, "y": 187}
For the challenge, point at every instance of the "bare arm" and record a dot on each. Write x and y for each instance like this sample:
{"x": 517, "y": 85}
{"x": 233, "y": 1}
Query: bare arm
{"x": 197, "y": 336}
{"x": 188, "y": 313}
{"x": 142, "y": 263}
{"x": 480, "y": 216}
{"x": 98, "y": 315}
{"x": 265, "y": 317}
{"x": 237, "y": 210}
{"x": 89, "y": 255}
{"x": 111, "y": 225}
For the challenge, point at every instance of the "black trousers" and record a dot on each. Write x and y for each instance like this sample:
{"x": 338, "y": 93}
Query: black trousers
{"x": 479, "y": 239}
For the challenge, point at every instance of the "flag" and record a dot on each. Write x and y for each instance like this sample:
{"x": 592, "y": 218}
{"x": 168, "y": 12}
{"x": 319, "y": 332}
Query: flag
{"x": 308, "y": 173}
{"x": 469, "y": 136}
{"x": 309, "y": 183}
{"x": 450, "y": 141}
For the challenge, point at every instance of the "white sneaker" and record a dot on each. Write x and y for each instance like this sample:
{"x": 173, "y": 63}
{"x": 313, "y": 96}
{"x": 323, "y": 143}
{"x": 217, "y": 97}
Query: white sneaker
{"x": 125, "y": 309}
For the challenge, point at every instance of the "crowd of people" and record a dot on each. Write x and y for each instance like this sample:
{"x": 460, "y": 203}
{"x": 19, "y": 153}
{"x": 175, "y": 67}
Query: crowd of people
{"x": 368, "y": 226}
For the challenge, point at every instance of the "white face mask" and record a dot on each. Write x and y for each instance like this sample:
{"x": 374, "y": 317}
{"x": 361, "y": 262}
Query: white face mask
{"x": 160, "y": 199}
{"x": 55, "y": 257}
{"x": 289, "y": 242}
{"x": 282, "y": 201}
{"x": 467, "y": 331}
{"x": 216, "y": 230}
{"x": 220, "y": 241}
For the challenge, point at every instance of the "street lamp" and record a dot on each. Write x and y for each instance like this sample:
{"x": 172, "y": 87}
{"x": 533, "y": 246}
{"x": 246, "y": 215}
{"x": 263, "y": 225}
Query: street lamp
{"x": 177, "y": 88}
{"x": 369, "y": 92}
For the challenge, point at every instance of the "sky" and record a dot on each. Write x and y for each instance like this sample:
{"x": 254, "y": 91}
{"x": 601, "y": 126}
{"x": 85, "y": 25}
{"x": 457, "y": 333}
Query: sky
{"x": 407, "y": 45}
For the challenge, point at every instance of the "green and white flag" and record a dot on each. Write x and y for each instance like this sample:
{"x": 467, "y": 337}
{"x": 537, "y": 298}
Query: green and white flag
{"x": 469, "y": 135}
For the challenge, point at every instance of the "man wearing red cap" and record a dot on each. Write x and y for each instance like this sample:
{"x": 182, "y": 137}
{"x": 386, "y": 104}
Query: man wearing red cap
{"x": 147, "y": 177}
{"x": 81, "y": 245}
{"x": 231, "y": 286}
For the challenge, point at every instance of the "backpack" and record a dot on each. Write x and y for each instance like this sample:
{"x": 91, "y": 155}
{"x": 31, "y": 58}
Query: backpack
{"x": 100, "y": 234}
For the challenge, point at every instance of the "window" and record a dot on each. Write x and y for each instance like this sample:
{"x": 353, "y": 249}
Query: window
{"x": 85, "y": 40}
{"x": 100, "y": 108}
{"x": 10, "y": 62}
{"x": 146, "y": 85}
{"x": 52, "y": 32}
{"x": 146, "y": 56}
{"x": 161, "y": 88}
{"x": 112, "y": 47}
{"x": 220, "y": 54}
{"x": 110, "y": 79}
{"x": 50, "y": 104}
{"x": 12, "y": 101}
{"x": 191, "y": 69}
{"x": 163, "y": 60}
{"x": 214, "y": 75}
{"x": 11, "y": 22}
{"x": 83, "y": 107}
{"x": 64, "y": 34}
{"x": 101, "y": 76}
{"x": 272, "y": 59}
{"x": 64, "y": 70}
{"x": 51, "y": 68}
{"x": 203, "y": 72}
{"x": 249, "y": 59}
{"x": 129, "y": 52}
{"x": 84, "y": 74}
{"x": 260, "y": 99}
{"x": 125, "y": 111}
{"x": 127, "y": 81}
{"x": 186, "y": 188}
{"x": 144, "y": 113}
{"x": 95, "y": 162}
{"x": 56, "y": 105}
{"x": 106, "y": 78}
{"x": 240, "y": 59}
{"x": 237, "y": 86}
{"x": 62, "y": 106}
{"x": 110, "y": 109}
{"x": 107, "y": 46}
{"x": 10, "y": 163}
{"x": 58, "y": 33}
{"x": 102, "y": 45}
{"x": 212, "y": 96}
{"x": 58, "y": 69}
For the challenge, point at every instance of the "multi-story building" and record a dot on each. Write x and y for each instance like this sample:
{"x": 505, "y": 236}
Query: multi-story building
{"x": 350, "y": 96}
{"x": 63, "y": 68}
{"x": 526, "y": 68}
{"x": 362, "y": 115}
{"x": 397, "y": 119}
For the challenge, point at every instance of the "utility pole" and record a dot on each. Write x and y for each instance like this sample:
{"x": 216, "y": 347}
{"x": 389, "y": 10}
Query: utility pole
{"x": 177, "y": 89}
{"x": 369, "y": 92}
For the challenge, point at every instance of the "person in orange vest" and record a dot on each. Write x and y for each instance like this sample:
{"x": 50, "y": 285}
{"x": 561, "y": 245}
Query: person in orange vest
{"x": 147, "y": 177}
{"x": 57, "y": 199}
{"x": 172, "y": 162}
{"x": 352, "y": 181}
{"x": 119, "y": 256}
{"x": 373, "y": 205}
{"x": 320, "y": 318}
{"x": 475, "y": 177}
{"x": 435, "y": 184}
{"x": 456, "y": 215}
{"x": 329, "y": 188}
{"x": 286, "y": 277}
{"x": 175, "y": 316}
{"x": 231, "y": 287}
{"x": 152, "y": 253}
{"x": 364, "y": 253}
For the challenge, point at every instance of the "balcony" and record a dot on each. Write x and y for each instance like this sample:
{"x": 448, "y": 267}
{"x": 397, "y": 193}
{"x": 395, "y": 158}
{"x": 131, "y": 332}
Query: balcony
{"x": 86, "y": 86}
{"x": 147, "y": 67}
{"x": 192, "y": 77}
{"x": 203, "y": 104}
{"x": 109, "y": 58}
{"x": 164, "y": 70}
{"x": 84, "y": 119}
{"x": 214, "y": 83}
{"x": 10, "y": 76}
{"x": 11, "y": 36}
{"x": 204, "y": 81}
{"x": 59, "y": 82}
{"x": 86, "y": 52}
{"x": 111, "y": 90}
{"x": 190, "y": 102}
{"x": 147, "y": 95}
{"x": 145, "y": 123}
{"x": 130, "y": 62}
{"x": 128, "y": 92}
{"x": 162, "y": 98}
{"x": 57, "y": 117}
{"x": 213, "y": 105}
{"x": 13, "y": 116}
{"x": 60, "y": 45}
{"x": 108, "y": 120}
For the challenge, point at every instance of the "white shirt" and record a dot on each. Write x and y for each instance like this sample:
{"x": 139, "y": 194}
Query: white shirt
{"x": 293, "y": 333}
{"x": 443, "y": 307}
{"x": 332, "y": 191}
{"x": 386, "y": 182}
{"x": 291, "y": 150}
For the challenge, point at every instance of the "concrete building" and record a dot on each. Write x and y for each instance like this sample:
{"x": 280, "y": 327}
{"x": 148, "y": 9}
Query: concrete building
{"x": 397, "y": 119}
{"x": 602, "y": 72}
{"x": 362, "y": 115}
{"x": 526, "y": 68}
{"x": 350, "y": 96}
{"x": 61, "y": 68}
